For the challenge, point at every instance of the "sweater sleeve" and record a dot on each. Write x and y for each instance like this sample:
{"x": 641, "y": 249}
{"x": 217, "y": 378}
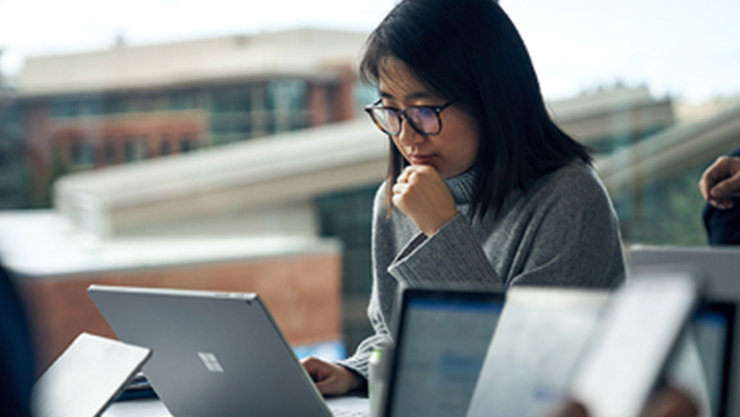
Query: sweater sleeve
{"x": 452, "y": 257}
{"x": 564, "y": 232}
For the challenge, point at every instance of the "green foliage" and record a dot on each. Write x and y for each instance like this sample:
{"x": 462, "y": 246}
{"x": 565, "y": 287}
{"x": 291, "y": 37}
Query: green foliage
{"x": 665, "y": 213}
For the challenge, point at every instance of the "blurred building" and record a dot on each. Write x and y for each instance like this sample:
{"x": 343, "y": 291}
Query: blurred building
{"x": 613, "y": 117}
{"x": 315, "y": 183}
{"x": 291, "y": 161}
{"x": 53, "y": 262}
{"x": 11, "y": 166}
{"x": 97, "y": 109}
{"x": 87, "y": 111}
{"x": 654, "y": 183}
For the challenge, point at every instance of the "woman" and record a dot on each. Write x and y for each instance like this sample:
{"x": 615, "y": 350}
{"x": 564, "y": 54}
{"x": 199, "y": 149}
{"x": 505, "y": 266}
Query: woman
{"x": 482, "y": 188}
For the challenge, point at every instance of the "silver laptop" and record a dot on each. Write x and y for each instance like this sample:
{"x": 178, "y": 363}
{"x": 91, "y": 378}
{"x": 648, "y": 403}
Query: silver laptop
{"x": 721, "y": 270}
{"x": 214, "y": 353}
{"x": 86, "y": 377}
{"x": 720, "y": 265}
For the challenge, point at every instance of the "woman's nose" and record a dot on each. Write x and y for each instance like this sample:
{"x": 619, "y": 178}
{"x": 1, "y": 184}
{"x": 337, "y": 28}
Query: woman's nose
{"x": 409, "y": 135}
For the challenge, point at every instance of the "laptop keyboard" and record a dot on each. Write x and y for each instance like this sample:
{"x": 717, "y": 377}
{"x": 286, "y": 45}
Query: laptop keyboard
{"x": 349, "y": 413}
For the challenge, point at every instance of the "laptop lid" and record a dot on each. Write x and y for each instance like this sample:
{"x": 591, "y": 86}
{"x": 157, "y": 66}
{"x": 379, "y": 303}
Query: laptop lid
{"x": 720, "y": 265}
{"x": 214, "y": 353}
{"x": 721, "y": 272}
{"x": 86, "y": 377}
{"x": 627, "y": 355}
{"x": 713, "y": 328}
{"x": 441, "y": 340}
{"x": 539, "y": 339}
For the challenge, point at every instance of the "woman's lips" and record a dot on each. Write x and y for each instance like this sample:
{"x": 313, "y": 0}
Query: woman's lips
{"x": 420, "y": 159}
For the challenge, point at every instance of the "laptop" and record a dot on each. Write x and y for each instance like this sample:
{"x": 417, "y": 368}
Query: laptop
{"x": 721, "y": 270}
{"x": 713, "y": 326}
{"x": 441, "y": 340}
{"x": 540, "y": 337}
{"x": 628, "y": 354}
{"x": 86, "y": 377}
{"x": 213, "y": 353}
{"x": 720, "y": 265}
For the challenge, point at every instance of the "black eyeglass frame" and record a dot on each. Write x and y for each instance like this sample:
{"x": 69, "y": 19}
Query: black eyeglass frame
{"x": 401, "y": 113}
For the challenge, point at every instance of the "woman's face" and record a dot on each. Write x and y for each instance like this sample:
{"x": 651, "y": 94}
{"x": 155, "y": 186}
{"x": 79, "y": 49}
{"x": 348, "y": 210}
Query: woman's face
{"x": 454, "y": 149}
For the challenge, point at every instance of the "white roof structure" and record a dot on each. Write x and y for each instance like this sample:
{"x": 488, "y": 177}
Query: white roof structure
{"x": 263, "y": 183}
{"x": 42, "y": 243}
{"x": 301, "y": 52}
{"x": 671, "y": 151}
{"x": 608, "y": 112}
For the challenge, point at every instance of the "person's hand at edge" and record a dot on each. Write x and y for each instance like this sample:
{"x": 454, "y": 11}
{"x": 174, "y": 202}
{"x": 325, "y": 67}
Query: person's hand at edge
{"x": 422, "y": 195}
{"x": 569, "y": 408}
{"x": 670, "y": 402}
{"x": 667, "y": 402}
{"x": 331, "y": 379}
{"x": 720, "y": 182}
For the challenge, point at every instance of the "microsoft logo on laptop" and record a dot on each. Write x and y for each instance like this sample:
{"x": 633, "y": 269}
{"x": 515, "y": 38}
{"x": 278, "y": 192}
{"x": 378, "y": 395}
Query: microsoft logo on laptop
{"x": 210, "y": 361}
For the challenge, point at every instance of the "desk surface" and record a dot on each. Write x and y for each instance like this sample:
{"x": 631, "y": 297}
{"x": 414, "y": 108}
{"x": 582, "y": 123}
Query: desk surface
{"x": 155, "y": 408}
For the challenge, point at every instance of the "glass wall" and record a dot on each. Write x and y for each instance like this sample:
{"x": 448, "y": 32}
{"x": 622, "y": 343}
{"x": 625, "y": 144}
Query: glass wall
{"x": 651, "y": 87}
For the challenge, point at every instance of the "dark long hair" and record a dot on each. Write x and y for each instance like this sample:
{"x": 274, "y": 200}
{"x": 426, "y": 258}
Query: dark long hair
{"x": 469, "y": 50}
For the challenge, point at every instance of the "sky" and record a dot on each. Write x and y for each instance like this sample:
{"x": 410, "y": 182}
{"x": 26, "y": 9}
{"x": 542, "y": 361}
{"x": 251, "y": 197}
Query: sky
{"x": 688, "y": 49}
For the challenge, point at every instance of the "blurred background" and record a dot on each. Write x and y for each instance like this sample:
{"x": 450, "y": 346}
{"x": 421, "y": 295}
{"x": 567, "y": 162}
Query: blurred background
{"x": 221, "y": 145}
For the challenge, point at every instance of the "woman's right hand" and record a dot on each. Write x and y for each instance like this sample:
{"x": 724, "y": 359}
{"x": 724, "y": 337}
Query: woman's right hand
{"x": 422, "y": 195}
{"x": 331, "y": 379}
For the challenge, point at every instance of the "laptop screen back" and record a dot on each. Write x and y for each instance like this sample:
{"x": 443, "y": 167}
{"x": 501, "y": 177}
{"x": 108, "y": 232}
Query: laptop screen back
{"x": 721, "y": 268}
{"x": 539, "y": 339}
{"x": 713, "y": 326}
{"x": 213, "y": 353}
{"x": 441, "y": 343}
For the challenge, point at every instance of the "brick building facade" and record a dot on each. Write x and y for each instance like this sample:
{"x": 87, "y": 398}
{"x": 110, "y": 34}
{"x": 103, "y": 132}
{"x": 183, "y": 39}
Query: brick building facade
{"x": 98, "y": 109}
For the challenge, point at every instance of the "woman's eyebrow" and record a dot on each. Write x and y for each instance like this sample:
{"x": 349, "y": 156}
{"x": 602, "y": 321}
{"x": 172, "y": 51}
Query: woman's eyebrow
{"x": 409, "y": 96}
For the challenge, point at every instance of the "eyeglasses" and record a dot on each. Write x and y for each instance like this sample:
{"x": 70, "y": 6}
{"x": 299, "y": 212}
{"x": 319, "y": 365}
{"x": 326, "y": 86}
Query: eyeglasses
{"x": 423, "y": 119}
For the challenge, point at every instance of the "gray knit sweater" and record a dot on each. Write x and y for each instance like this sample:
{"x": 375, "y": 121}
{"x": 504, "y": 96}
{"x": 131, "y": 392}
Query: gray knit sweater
{"x": 562, "y": 232}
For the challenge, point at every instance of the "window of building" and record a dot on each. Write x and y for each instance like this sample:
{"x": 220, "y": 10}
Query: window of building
{"x": 109, "y": 151}
{"x": 235, "y": 98}
{"x": 141, "y": 103}
{"x": 114, "y": 104}
{"x": 90, "y": 106}
{"x": 82, "y": 153}
{"x": 183, "y": 100}
{"x": 129, "y": 151}
{"x": 188, "y": 143}
{"x": 330, "y": 100}
{"x": 287, "y": 95}
{"x": 268, "y": 99}
{"x": 142, "y": 148}
{"x": 64, "y": 107}
{"x": 288, "y": 102}
{"x": 164, "y": 146}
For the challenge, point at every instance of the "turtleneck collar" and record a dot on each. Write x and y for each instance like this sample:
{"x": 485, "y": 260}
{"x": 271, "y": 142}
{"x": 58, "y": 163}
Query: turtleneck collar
{"x": 462, "y": 186}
